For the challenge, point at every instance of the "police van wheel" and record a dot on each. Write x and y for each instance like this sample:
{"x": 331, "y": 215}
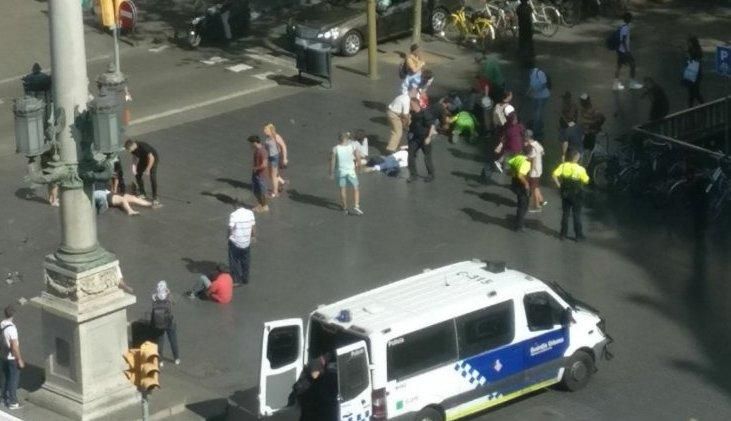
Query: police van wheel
{"x": 429, "y": 414}
{"x": 577, "y": 371}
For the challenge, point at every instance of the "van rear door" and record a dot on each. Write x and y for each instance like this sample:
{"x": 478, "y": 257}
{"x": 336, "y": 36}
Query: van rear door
{"x": 281, "y": 363}
{"x": 354, "y": 382}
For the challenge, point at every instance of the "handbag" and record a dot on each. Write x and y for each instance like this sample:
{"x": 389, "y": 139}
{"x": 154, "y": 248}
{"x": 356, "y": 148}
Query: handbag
{"x": 691, "y": 71}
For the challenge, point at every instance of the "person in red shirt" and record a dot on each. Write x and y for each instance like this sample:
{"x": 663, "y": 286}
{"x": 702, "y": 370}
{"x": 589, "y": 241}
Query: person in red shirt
{"x": 218, "y": 288}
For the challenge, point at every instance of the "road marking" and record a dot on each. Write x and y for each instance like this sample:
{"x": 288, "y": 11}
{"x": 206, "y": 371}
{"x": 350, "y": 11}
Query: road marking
{"x": 48, "y": 69}
{"x": 214, "y": 60}
{"x": 158, "y": 49}
{"x": 4, "y": 416}
{"x": 263, "y": 76}
{"x": 239, "y": 68}
{"x": 268, "y": 58}
{"x": 256, "y": 88}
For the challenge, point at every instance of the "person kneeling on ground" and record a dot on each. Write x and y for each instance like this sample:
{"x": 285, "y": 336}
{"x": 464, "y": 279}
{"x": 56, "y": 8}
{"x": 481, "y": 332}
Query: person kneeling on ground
{"x": 103, "y": 199}
{"x": 218, "y": 288}
{"x": 463, "y": 124}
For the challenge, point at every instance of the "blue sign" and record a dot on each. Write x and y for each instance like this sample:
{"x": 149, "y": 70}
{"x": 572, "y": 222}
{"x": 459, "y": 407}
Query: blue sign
{"x": 723, "y": 60}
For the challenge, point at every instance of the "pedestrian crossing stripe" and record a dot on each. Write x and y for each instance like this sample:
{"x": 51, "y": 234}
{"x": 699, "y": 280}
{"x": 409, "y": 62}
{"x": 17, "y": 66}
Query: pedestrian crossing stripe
{"x": 239, "y": 68}
{"x": 214, "y": 60}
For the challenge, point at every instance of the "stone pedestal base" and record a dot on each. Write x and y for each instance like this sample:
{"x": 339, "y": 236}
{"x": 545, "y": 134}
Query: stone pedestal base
{"x": 84, "y": 319}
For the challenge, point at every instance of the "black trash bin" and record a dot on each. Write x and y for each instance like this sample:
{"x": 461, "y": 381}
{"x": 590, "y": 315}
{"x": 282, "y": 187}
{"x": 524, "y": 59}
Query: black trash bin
{"x": 314, "y": 58}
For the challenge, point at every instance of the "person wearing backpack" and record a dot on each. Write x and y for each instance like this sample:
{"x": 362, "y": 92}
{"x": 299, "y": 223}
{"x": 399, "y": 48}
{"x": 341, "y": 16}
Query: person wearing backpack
{"x": 539, "y": 91}
{"x": 692, "y": 72}
{"x": 162, "y": 319}
{"x": 12, "y": 361}
{"x": 620, "y": 41}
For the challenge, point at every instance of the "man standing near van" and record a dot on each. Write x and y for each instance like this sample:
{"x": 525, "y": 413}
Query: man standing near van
{"x": 241, "y": 232}
{"x": 571, "y": 177}
{"x": 12, "y": 361}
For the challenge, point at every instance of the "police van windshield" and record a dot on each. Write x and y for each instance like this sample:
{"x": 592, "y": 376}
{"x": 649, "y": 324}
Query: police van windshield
{"x": 570, "y": 299}
{"x": 326, "y": 338}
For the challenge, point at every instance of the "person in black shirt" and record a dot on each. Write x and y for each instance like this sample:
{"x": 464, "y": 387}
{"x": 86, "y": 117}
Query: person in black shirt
{"x": 421, "y": 130}
{"x": 146, "y": 161}
{"x": 525, "y": 30}
{"x": 659, "y": 104}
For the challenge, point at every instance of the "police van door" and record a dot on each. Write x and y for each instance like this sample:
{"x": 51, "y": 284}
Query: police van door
{"x": 548, "y": 339}
{"x": 281, "y": 363}
{"x": 354, "y": 382}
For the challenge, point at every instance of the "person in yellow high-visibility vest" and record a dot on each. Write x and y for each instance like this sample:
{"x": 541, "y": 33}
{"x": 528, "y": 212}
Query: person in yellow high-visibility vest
{"x": 519, "y": 166}
{"x": 571, "y": 177}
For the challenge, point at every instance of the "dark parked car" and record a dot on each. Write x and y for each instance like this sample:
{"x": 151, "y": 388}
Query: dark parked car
{"x": 343, "y": 24}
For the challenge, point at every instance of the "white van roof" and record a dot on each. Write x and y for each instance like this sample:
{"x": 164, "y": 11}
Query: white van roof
{"x": 429, "y": 297}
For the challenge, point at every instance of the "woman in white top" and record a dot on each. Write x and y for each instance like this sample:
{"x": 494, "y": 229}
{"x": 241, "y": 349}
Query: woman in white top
{"x": 535, "y": 155}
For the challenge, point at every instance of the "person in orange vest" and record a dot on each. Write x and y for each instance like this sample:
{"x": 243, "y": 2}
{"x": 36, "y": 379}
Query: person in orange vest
{"x": 571, "y": 178}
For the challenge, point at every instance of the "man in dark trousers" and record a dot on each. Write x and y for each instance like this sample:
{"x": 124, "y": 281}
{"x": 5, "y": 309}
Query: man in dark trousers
{"x": 420, "y": 134}
{"x": 659, "y": 103}
{"x": 146, "y": 161}
{"x": 520, "y": 166}
{"x": 525, "y": 30}
{"x": 571, "y": 177}
{"x": 316, "y": 390}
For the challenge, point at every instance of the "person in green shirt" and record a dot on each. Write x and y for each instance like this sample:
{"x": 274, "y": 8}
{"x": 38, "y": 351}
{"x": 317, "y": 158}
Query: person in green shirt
{"x": 571, "y": 177}
{"x": 519, "y": 166}
{"x": 464, "y": 125}
{"x": 491, "y": 71}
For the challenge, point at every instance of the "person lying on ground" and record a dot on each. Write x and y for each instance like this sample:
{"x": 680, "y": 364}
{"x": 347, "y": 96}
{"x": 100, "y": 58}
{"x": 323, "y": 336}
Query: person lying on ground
{"x": 104, "y": 199}
{"x": 390, "y": 164}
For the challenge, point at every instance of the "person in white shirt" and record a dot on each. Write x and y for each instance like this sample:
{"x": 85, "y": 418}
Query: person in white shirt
{"x": 398, "y": 117}
{"x": 241, "y": 233}
{"x": 624, "y": 56}
{"x": 535, "y": 154}
{"x": 12, "y": 361}
{"x": 360, "y": 142}
{"x": 539, "y": 92}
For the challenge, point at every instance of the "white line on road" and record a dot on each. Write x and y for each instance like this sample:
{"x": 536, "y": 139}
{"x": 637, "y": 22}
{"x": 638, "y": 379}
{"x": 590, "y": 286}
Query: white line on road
{"x": 263, "y": 76}
{"x": 277, "y": 61}
{"x": 158, "y": 49}
{"x": 91, "y": 60}
{"x": 214, "y": 60}
{"x": 4, "y": 416}
{"x": 259, "y": 87}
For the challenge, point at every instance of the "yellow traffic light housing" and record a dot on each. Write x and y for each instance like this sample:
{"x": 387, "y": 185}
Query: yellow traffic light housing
{"x": 108, "y": 10}
{"x": 149, "y": 377}
{"x": 132, "y": 370}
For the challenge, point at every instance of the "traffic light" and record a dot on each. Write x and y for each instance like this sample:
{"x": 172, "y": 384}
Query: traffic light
{"x": 149, "y": 367}
{"x": 132, "y": 372}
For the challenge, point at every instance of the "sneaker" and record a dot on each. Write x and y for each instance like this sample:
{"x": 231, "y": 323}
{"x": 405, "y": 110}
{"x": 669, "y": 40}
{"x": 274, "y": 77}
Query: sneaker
{"x": 177, "y": 361}
{"x": 156, "y": 204}
{"x": 633, "y": 84}
{"x": 356, "y": 211}
{"x": 498, "y": 166}
{"x": 536, "y": 210}
{"x": 544, "y": 203}
{"x": 617, "y": 85}
{"x": 14, "y": 406}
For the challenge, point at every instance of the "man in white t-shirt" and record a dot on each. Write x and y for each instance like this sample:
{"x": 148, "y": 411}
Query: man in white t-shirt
{"x": 12, "y": 361}
{"x": 535, "y": 152}
{"x": 241, "y": 233}
{"x": 624, "y": 55}
{"x": 398, "y": 117}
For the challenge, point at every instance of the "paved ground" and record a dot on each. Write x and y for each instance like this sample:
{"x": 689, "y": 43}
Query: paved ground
{"x": 664, "y": 296}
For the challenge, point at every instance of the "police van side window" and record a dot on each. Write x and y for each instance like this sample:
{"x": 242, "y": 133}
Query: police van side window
{"x": 486, "y": 329}
{"x": 421, "y": 350}
{"x": 542, "y": 311}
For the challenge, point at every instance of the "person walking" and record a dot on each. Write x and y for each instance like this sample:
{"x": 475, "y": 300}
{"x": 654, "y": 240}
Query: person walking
{"x": 344, "y": 161}
{"x": 536, "y": 170}
{"x": 511, "y": 141}
{"x": 12, "y": 360}
{"x": 591, "y": 122}
{"x": 570, "y": 177}
{"x": 624, "y": 55}
{"x": 659, "y": 103}
{"x": 145, "y": 162}
{"x": 520, "y": 166}
{"x": 398, "y": 118}
{"x": 258, "y": 182}
{"x": 163, "y": 321}
{"x": 421, "y": 131}
{"x": 539, "y": 91}
{"x": 500, "y": 114}
{"x": 693, "y": 72}
{"x": 525, "y": 30}
{"x": 569, "y": 112}
{"x": 241, "y": 233}
{"x": 277, "y": 158}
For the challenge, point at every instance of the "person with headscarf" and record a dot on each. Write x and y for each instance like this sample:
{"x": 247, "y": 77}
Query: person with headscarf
{"x": 161, "y": 318}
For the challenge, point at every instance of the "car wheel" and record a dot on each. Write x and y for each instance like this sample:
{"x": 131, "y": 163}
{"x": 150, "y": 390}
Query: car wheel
{"x": 429, "y": 414}
{"x": 577, "y": 371}
{"x": 352, "y": 43}
{"x": 438, "y": 21}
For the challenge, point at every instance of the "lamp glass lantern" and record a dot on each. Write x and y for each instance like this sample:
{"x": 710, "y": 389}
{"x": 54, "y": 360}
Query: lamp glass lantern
{"x": 106, "y": 122}
{"x": 29, "y": 134}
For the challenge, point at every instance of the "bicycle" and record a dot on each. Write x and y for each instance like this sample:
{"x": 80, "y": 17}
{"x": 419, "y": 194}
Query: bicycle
{"x": 546, "y": 18}
{"x": 466, "y": 25}
{"x": 503, "y": 19}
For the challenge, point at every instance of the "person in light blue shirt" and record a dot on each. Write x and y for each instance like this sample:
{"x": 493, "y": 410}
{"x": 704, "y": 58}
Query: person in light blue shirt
{"x": 344, "y": 162}
{"x": 539, "y": 91}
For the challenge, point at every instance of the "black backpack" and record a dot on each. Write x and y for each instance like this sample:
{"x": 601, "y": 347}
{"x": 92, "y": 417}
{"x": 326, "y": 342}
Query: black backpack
{"x": 614, "y": 39}
{"x": 162, "y": 314}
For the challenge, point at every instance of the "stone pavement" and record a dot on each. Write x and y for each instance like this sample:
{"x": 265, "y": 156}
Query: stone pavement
{"x": 636, "y": 272}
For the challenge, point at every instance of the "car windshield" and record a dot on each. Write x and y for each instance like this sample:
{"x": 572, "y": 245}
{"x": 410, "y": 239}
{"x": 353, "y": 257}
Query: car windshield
{"x": 570, "y": 299}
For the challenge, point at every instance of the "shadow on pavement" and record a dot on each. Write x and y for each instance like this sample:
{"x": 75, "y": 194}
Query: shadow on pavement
{"x": 29, "y": 194}
{"x": 493, "y": 198}
{"x": 477, "y": 216}
{"x": 466, "y": 155}
{"x": 377, "y": 106}
{"x": 223, "y": 198}
{"x": 199, "y": 266}
{"x": 32, "y": 378}
{"x": 235, "y": 183}
{"x": 309, "y": 199}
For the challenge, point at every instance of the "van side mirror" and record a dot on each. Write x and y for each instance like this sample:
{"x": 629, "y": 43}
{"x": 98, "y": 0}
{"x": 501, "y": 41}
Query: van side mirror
{"x": 567, "y": 317}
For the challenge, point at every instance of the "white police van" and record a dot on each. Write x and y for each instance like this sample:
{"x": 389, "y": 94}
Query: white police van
{"x": 440, "y": 345}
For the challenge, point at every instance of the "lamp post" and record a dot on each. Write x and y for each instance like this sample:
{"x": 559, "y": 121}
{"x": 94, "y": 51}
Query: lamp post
{"x": 84, "y": 319}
